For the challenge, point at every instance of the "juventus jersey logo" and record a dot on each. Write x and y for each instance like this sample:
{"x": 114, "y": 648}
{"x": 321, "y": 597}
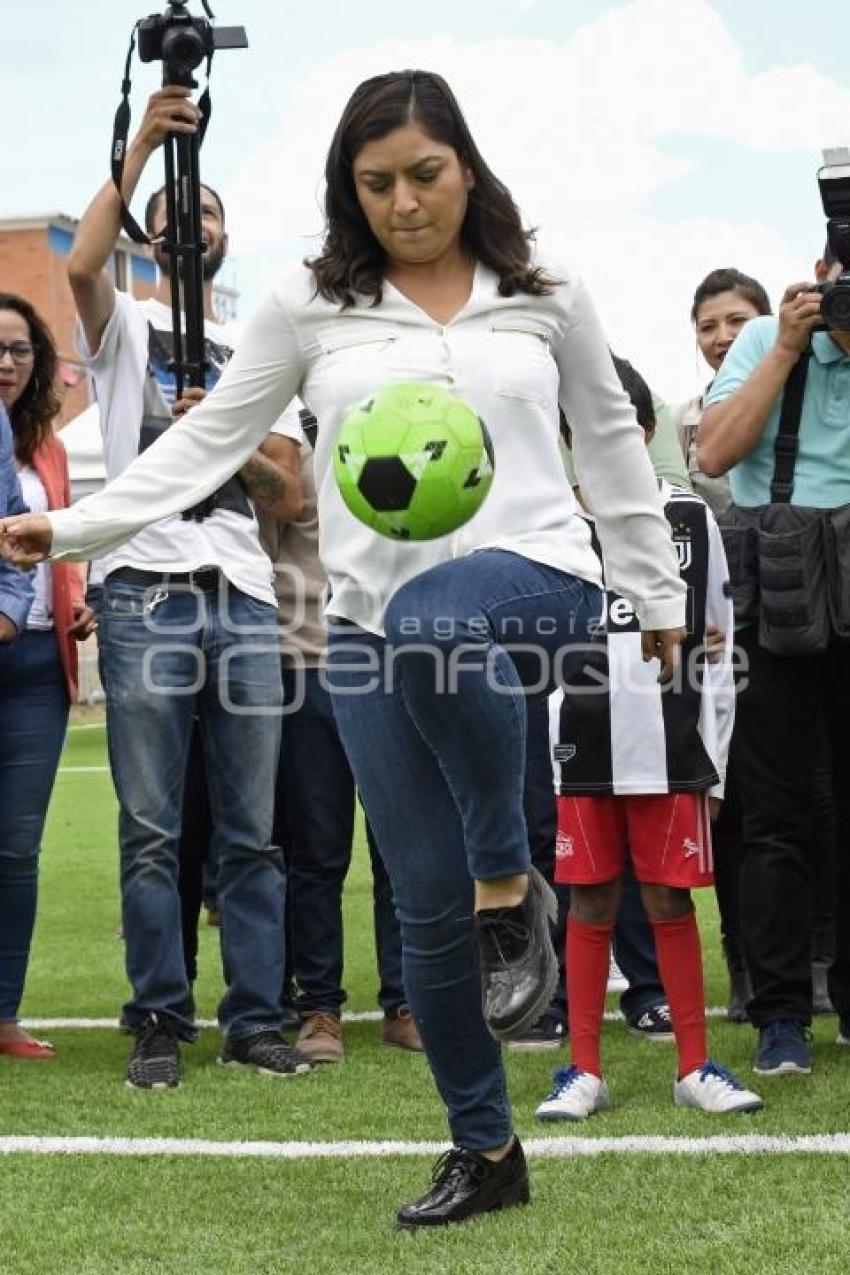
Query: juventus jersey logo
{"x": 684, "y": 545}
{"x": 684, "y": 552}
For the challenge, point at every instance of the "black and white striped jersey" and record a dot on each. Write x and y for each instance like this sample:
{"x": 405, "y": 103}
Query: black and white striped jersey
{"x": 614, "y": 730}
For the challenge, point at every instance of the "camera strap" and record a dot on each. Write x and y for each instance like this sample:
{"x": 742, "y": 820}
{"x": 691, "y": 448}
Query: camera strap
{"x": 786, "y": 444}
{"x": 121, "y": 129}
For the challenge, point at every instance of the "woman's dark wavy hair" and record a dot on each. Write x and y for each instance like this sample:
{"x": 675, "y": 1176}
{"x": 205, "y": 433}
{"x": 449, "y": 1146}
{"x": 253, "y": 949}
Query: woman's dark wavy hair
{"x": 352, "y": 262}
{"x": 728, "y": 279}
{"x": 33, "y": 414}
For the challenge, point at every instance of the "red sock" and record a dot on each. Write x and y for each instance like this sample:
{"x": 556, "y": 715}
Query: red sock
{"x": 679, "y": 955}
{"x": 588, "y": 954}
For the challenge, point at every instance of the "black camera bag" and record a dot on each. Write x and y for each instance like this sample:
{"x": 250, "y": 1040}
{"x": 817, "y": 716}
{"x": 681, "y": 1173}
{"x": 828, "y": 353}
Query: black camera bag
{"x": 789, "y": 565}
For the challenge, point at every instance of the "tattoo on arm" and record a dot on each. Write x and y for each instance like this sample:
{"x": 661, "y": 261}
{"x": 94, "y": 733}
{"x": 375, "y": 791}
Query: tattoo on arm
{"x": 271, "y": 486}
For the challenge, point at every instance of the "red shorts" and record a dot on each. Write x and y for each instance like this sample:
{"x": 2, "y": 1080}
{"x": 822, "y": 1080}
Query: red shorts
{"x": 667, "y": 836}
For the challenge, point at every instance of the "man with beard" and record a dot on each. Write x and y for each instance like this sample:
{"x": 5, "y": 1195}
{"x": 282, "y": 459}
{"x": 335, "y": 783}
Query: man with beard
{"x": 187, "y": 634}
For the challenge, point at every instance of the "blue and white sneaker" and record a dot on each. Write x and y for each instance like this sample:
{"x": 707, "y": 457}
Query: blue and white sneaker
{"x": 714, "y": 1089}
{"x": 783, "y": 1049}
{"x": 575, "y": 1096}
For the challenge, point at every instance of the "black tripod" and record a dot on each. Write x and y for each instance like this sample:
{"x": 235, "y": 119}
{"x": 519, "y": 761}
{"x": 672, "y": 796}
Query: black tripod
{"x": 185, "y": 246}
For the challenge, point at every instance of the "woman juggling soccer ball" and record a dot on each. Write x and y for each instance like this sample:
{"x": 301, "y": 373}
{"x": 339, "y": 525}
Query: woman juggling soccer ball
{"x": 426, "y": 274}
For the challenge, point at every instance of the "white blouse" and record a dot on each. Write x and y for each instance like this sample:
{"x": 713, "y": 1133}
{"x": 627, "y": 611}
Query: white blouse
{"x": 513, "y": 359}
{"x": 41, "y": 612}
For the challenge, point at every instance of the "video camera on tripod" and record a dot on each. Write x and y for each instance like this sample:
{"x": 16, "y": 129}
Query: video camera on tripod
{"x": 181, "y": 42}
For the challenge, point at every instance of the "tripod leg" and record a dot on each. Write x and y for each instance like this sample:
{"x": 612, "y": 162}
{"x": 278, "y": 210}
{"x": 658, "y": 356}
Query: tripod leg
{"x": 175, "y": 263}
{"x": 191, "y": 234}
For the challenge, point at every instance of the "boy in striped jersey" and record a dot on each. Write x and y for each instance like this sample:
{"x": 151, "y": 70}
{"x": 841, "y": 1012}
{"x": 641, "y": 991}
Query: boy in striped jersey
{"x": 638, "y": 769}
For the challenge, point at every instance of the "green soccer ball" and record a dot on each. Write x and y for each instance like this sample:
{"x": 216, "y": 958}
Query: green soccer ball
{"x": 413, "y": 462}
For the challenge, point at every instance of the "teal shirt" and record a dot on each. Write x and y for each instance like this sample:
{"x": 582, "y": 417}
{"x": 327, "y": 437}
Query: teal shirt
{"x": 822, "y": 470}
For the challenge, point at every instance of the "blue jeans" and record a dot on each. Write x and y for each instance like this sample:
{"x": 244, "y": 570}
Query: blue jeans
{"x": 33, "y": 718}
{"x": 215, "y": 654}
{"x": 314, "y": 822}
{"x": 440, "y": 770}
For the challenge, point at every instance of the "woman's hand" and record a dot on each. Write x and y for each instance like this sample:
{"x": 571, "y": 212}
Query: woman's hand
{"x": 8, "y": 630}
{"x": 663, "y": 645}
{"x": 25, "y": 539}
{"x": 85, "y": 622}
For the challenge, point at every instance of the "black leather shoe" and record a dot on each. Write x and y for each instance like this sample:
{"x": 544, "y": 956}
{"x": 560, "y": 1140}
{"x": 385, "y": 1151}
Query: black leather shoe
{"x": 466, "y": 1184}
{"x": 519, "y": 969}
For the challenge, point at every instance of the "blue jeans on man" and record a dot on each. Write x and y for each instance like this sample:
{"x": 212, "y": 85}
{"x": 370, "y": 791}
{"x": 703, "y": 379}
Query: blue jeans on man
{"x": 169, "y": 653}
{"x": 314, "y": 822}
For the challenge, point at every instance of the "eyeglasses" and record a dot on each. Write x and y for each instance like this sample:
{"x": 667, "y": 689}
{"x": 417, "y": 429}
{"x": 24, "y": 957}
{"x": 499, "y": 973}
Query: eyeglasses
{"x": 21, "y": 351}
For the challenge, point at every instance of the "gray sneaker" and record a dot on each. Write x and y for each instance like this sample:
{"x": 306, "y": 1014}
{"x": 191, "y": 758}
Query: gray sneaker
{"x": 266, "y": 1053}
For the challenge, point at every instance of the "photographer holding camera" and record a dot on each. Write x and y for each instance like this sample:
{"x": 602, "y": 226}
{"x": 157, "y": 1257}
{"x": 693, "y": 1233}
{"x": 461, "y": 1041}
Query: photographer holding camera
{"x": 778, "y": 420}
{"x": 188, "y": 626}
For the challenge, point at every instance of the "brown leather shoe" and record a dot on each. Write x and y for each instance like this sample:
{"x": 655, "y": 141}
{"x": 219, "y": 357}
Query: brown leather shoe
{"x": 399, "y": 1029}
{"x": 320, "y": 1038}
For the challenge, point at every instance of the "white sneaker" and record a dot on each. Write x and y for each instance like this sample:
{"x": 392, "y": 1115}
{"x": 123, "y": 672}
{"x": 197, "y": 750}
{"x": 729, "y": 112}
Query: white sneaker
{"x": 714, "y": 1089}
{"x": 617, "y": 981}
{"x": 575, "y": 1096}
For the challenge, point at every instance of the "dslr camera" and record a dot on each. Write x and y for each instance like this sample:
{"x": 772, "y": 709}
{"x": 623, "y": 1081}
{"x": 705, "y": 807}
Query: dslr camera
{"x": 834, "y": 183}
{"x": 181, "y": 42}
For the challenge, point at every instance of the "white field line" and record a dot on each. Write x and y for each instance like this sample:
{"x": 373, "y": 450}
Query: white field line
{"x": 88, "y": 726}
{"x": 360, "y": 1016}
{"x": 835, "y": 1144}
{"x": 83, "y": 770}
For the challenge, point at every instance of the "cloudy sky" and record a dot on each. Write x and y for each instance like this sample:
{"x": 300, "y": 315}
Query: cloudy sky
{"x": 649, "y": 141}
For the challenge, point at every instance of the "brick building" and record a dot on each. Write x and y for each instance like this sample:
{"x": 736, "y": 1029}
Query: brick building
{"x": 32, "y": 264}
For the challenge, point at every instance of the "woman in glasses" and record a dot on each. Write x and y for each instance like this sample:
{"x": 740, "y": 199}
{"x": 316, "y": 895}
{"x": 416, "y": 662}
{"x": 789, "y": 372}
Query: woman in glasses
{"x": 38, "y": 667}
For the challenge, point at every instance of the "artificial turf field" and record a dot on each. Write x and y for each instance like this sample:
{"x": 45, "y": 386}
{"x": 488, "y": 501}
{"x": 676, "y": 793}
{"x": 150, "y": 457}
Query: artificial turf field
{"x": 618, "y": 1212}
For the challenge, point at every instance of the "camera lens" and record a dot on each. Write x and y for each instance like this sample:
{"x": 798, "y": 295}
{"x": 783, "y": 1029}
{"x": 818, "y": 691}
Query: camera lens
{"x": 835, "y": 308}
{"x": 183, "y": 47}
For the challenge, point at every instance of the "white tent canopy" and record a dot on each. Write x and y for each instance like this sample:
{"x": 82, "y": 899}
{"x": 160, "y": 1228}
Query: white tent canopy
{"x": 84, "y": 446}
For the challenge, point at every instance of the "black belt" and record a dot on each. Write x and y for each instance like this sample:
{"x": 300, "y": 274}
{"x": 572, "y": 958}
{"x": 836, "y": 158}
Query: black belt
{"x": 203, "y": 578}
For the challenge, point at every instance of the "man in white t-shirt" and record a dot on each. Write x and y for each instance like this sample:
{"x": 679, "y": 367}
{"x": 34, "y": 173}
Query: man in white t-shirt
{"x": 188, "y": 627}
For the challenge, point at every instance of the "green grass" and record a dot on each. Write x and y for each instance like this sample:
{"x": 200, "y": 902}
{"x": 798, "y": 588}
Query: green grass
{"x": 611, "y": 1213}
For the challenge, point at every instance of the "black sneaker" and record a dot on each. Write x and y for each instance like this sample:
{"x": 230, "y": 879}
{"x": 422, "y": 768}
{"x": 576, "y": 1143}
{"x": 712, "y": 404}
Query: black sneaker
{"x": 266, "y": 1052}
{"x": 654, "y": 1024}
{"x": 547, "y": 1033}
{"x": 155, "y": 1060}
{"x": 519, "y": 969}
{"x": 783, "y": 1049}
{"x": 466, "y": 1184}
{"x": 843, "y": 1037}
